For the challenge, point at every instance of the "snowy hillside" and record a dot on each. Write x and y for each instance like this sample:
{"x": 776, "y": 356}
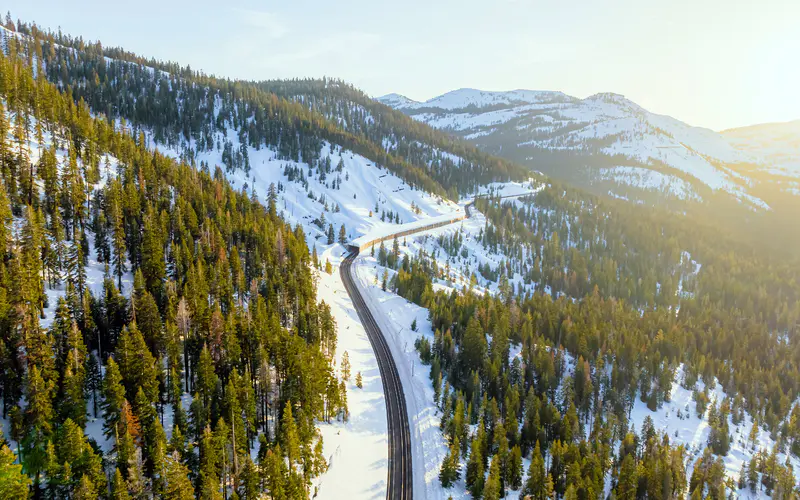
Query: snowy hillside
{"x": 465, "y": 98}
{"x": 775, "y": 143}
{"x": 581, "y": 139}
{"x": 347, "y": 190}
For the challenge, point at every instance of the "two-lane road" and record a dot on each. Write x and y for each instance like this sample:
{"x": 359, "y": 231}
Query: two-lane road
{"x": 400, "y": 484}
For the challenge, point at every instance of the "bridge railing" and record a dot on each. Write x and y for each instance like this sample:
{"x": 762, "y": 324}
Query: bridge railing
{"x": 420, "y": 229}
{"x": 428, "y": 227}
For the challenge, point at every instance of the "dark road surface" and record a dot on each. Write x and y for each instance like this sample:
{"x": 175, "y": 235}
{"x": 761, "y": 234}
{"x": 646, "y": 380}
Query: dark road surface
{"x": 400, "y": 481}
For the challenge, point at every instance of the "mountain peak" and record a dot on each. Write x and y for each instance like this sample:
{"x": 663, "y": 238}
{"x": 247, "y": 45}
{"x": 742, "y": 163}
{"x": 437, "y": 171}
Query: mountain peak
{"x": 396, "y": 101}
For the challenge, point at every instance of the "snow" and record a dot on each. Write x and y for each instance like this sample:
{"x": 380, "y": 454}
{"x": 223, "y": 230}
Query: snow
{"x": 613, "y": 125}
{"x": 693, "y": 431}
{"x": 357, "y": 451}
{"x": 364, "y": 186}
{"x": 777, "y": 144}
{"x": 396, "y": 101}
{"x": 649, "y": 179}
{"x": 394, "y": 315}
{"x": 463, "y": 98}
{"x": 383, "y": 232}
{"x": 507, "y": 189}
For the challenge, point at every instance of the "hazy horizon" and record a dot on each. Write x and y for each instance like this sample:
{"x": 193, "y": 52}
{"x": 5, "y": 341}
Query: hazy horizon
{"x": 713, "y": 64}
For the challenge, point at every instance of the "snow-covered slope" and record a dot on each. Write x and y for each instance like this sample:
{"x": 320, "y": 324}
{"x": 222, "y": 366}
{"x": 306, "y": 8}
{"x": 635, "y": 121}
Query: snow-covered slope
{"x": 356, "y": 192}
{"x": 777, "y": 144}
{"x": 465, "y": 98}
{"x": 581, "y": 139}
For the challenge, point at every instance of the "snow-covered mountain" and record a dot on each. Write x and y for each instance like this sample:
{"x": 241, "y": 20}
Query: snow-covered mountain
{"x": 612, "y": 144}
{"x": 479, "y": 99}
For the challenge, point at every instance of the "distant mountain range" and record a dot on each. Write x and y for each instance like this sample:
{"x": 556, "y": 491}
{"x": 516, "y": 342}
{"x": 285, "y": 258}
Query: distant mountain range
{"x": 614, "y": 146}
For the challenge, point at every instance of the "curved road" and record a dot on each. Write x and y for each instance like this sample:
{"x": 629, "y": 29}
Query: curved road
{"x": 400, "y": 484}
{"x": 400, "y": 481}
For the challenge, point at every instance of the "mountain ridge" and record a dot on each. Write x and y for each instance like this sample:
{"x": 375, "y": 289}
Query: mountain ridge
{"x": 587, "y": 141}
{"x": 401, "y": 98}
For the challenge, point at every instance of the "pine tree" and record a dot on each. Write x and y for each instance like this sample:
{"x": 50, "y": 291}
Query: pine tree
{"x": 86, "y": 490}
{"x": 94, "y": 381}
{"x": 119, "y": 248}
{"x": 342, "y": 235}
{"x": 73, "y": 401}
{"x": 13, "y": 483}
{"x": 119, "y": 489}
{"x": 330, "y": 234}
{"x": 177, "y": 484}
{"x": 76, "y": 262}
{"x": 210, "y": 467}
{"x": 345, "y": 412}
{"x": 346, "y": 366}
{"x": 514, "y": 475}
{"x": 206, "y": 376}
{"x": 450, "y": 469}
{"x": 535, "y": 484}
{"x": 136, "y": 363}
{"x": 274, "y": 471}
{"x": 475, "y": 469}
{"x": 627, "y": 482}
{"x": 249, "y": 480}
{"x": 289, "y": 438}
{"x": 127, "y": 433}
{"x": 39, "y": 419}
{"x": 359, "y": 381}
{"x": 753, "y": 436}
{"x": 491, "y": 490}
{"x": 153, "y": 264}
{"x": 113, "y": 398}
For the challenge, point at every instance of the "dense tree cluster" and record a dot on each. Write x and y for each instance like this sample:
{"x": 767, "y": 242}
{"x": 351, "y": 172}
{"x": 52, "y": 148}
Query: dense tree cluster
{"x": 735, "y": 310}
{"x": 533, "y": 406}
{"x": 207, "y": 298}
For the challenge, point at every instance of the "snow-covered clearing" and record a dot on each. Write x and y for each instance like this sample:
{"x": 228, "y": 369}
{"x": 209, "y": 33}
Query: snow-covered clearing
{"x": 678, "y": 418}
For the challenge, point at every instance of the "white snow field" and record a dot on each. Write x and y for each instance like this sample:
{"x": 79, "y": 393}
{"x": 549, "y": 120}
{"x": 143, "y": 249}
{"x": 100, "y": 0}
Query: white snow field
{"x": 648, "y": 179}
{"x": 364, "y": 187}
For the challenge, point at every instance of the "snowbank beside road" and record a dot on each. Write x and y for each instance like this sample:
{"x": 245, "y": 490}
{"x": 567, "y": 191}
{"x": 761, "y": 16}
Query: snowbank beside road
{"x": 357, "y": 450}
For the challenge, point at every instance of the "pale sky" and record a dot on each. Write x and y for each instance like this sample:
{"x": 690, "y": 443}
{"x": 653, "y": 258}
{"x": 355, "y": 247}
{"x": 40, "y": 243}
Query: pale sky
{"x": 712, "y": 63}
